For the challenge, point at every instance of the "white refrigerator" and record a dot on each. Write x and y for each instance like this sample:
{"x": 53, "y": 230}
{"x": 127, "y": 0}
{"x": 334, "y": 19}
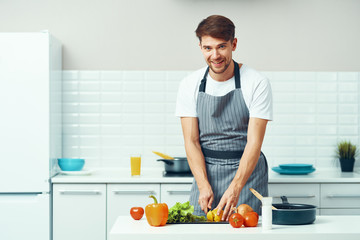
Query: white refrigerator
{"x": 30, "y": 132}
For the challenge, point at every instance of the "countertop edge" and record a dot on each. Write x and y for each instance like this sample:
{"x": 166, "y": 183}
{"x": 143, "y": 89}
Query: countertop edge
{"x": 325, "y": 227}
{"x": 121, "y": 176}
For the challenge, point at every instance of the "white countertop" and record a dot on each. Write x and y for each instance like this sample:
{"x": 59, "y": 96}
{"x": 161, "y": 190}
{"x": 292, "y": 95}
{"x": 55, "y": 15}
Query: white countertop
{"x": 149, "y": 175}
{"x": 325, "y": 227}
{"x": 121, "y": 175}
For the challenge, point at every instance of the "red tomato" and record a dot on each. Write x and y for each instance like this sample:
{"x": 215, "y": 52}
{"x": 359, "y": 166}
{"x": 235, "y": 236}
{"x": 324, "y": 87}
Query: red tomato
{"x": 236, "y": 220}
{"x": 137, "y": 213}
{"x": 251, "y": 219}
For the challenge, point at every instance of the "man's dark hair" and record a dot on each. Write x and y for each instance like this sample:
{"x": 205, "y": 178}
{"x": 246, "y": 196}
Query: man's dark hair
{"x": 216, "y": 26}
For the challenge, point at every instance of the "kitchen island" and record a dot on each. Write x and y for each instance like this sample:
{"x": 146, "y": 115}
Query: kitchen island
{"x": 110, "y": 193}
{"x": 325, "y": 227}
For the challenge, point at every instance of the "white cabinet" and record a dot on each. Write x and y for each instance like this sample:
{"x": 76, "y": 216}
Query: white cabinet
{"x": 330, "y": 198}
{"x": 340, "y": 195}
{"x": 340, "y": 199}
{"x": 344, "y": 211}
{"x": 172, "y": 193}
{"x": 88, "y": 211}
{"x": 122, "y": 197}
{"x": 79, "y": 211}
{"x": 296, "y": 193}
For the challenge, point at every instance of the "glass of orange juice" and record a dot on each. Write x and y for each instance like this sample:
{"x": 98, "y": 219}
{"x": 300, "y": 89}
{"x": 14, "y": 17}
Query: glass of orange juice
{"x": 135, "y": 162}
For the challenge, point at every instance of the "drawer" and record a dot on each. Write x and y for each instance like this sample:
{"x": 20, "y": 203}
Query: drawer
{"x": 340, "y": 195}
{"x": 79, "y": 211}
{"x": 172, "y": 193}
{"x": 347, "y": 211}
{"x": 296, "y": 193}
{"x": 122, "y": 197}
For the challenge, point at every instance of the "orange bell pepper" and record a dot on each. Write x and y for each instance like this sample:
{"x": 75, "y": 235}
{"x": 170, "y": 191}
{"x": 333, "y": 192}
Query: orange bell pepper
{"x": 156, "y": 213}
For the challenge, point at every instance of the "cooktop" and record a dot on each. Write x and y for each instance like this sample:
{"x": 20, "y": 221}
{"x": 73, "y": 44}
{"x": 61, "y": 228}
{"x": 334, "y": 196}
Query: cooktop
{"x": 177, "y": 174}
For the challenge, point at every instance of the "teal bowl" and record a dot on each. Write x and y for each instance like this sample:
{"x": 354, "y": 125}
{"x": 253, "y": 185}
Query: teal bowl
{"x": 71, "y": 164}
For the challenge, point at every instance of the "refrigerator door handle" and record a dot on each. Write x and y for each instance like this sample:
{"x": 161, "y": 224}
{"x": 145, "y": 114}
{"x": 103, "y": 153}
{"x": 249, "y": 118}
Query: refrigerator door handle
{"x": 22, "y": 197}
{"x": 80, "y": 192}
{"x": 22, "y": 193}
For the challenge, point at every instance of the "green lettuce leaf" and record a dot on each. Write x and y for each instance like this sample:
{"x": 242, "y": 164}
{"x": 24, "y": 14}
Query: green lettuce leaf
{"x": 183, "y": 213}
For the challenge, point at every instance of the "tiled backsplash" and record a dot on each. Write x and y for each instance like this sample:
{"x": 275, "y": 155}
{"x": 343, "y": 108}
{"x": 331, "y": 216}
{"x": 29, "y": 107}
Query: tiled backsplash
{"x": 108, "y": 115}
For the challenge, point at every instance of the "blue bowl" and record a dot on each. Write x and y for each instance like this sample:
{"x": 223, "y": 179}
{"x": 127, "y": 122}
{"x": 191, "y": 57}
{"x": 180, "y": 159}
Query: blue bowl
{"x": 71, "y": 164}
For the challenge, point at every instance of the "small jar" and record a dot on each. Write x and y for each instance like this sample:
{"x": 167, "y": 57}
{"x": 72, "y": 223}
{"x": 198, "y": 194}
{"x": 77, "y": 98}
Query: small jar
{"x": 266, "y": 211}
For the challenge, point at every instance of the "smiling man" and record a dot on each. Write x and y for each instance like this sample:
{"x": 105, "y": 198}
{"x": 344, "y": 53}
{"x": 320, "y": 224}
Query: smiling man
{"x": 224, "y": 109}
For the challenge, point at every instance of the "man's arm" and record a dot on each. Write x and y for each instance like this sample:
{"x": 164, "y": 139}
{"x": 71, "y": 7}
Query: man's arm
{"x": 196, "y": 160}
{"x": 249, "y": 159}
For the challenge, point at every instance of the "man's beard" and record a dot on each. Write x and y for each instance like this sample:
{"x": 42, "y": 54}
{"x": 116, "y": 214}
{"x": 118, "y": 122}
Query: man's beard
{"x": 222, "y": 71}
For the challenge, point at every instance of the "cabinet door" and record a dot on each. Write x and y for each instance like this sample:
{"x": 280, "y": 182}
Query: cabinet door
{"x": 296, "y": 193}
{"x": 122, "y": 197}
{"x": 79, "y": 211}
{"x": 347, "y": 211}
{"x": 172, "y": 193}
{"x": 340, "y": 195}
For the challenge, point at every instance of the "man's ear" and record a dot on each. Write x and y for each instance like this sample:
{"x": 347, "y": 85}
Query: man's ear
{"x": 234, "y": 44}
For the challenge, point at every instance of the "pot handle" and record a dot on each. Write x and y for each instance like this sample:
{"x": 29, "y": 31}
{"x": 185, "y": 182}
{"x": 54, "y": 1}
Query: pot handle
{"x": 166, "y": 161}
{"x": 284, "y": 200}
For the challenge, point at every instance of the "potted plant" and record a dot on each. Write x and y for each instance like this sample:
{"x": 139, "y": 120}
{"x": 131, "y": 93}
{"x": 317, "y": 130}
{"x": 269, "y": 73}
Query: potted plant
{"x": 346, "y": 152}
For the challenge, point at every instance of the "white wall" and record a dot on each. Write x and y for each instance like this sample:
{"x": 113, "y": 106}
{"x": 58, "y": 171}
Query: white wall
{"x": 110, "y": 114}
{"x": 274, "y": 35}
{"x": 125, "y": 58}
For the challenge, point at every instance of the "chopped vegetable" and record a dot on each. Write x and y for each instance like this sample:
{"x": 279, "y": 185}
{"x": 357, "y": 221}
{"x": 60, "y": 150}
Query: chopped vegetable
{"x": 213, "y": 217}
{"x": 183, "y": 213}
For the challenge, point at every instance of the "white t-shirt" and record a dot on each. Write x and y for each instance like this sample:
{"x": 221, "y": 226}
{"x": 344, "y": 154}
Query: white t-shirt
{"x": 255, "y": 87}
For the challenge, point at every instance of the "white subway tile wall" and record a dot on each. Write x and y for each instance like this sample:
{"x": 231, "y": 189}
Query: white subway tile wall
{"x": 109, "y": 115}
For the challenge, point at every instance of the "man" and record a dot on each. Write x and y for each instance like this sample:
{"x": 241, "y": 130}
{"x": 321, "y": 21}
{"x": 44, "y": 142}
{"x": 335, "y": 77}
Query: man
{"x": 224, "y": 110}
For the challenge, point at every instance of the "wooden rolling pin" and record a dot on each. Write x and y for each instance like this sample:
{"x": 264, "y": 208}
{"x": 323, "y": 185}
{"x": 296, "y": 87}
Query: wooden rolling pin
{"x": 164, "y": 156}
{"x": 259, "y": 196}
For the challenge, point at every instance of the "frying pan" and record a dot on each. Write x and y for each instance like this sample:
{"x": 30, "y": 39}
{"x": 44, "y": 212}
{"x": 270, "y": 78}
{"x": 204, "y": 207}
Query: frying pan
{"x": 293, "y": 213}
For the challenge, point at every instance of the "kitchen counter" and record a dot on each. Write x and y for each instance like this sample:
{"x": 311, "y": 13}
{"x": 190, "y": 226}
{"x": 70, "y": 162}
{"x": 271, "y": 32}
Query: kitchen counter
{"x": 121, "y": 175}
{"x": 149, "y": 175}
{"x": 325, "y": 227}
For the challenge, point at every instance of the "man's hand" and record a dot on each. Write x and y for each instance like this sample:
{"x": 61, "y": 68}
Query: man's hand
{"x": 249, "y": 159}
{"x": 206, "y": 198}
{"x": 195, "y": 157}
{"x": 228, "y": 201}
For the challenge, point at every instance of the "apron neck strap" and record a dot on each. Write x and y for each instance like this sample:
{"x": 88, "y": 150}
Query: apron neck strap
{"x": 236, "y": 74}
{"x": 203, "y": 81}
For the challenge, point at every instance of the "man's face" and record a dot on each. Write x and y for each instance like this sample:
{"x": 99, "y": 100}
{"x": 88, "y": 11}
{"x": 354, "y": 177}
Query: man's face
{"x": 217, "y": 52}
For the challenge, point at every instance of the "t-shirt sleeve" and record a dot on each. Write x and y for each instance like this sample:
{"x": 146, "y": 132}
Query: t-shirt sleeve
{"x": 262, "y": 103}
{"x": 186, "y": 102}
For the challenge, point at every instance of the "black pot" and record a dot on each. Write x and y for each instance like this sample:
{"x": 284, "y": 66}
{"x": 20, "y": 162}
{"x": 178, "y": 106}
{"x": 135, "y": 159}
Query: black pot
{"x": 176, "y": 165}
{"x": 347, "y": 165}
{"x": 293, "y": 214}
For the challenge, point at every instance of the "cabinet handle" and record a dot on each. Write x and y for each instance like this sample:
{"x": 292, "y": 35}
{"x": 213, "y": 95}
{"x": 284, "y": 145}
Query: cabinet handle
{"x": 80, "y": 192}
{"x": 296, "y": 196}
{"x": 342, "y": 196}
{"x": 175, "y": 192}
{"x": 134, "y": 192}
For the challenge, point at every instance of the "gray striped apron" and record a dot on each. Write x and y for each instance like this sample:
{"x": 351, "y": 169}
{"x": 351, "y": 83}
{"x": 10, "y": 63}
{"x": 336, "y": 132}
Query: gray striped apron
{"x": 223, "y": 124}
